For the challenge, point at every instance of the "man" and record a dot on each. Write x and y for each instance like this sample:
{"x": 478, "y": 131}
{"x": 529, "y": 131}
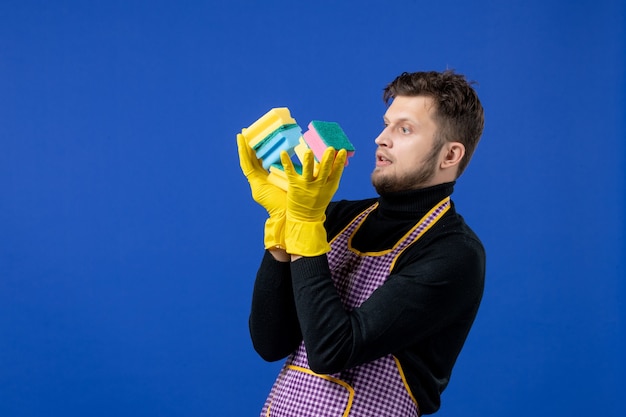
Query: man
{"x": 371, "y": 301}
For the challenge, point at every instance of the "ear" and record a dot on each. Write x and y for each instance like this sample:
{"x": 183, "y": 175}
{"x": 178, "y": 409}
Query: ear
{"x": 452, "y": 153}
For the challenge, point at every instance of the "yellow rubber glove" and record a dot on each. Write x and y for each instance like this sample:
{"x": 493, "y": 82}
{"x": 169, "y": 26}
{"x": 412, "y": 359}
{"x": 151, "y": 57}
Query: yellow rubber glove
{"x": 269, "y": 196}
{"x": 307, "y": 198}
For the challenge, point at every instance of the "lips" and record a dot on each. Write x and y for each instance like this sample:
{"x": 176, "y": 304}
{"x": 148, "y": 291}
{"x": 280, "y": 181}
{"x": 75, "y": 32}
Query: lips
{"x": 382, "y": 159}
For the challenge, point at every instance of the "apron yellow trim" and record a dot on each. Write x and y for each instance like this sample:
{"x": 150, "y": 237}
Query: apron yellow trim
{"x": 331, "y": 379}
{"x": 406, "y": 235}
{"x": 404, "y": 381}
{"x": 368, "y": 210}
{"x": 427, "y": 228}
{"x": 348, "y": 387}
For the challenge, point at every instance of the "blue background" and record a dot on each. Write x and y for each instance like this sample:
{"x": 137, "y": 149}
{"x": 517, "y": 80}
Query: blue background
{"x": 129, "y": 241}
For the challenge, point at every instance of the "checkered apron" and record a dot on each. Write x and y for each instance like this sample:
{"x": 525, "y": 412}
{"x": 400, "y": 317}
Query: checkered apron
{"x": 375, "y": 389}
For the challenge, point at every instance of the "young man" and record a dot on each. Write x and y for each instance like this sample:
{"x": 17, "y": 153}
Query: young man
{"x": 372, "y": 300}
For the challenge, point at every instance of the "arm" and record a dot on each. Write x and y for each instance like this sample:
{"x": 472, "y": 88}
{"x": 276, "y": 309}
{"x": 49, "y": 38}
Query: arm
{"x": 274, "y": 327}
{"x": 418, "y": 300}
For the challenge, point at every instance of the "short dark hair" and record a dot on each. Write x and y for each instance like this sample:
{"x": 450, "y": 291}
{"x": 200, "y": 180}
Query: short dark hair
{"x": 458, "y": 113}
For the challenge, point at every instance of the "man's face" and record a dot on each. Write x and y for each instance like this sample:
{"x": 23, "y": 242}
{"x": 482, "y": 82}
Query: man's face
{"x": 407, "y": 157}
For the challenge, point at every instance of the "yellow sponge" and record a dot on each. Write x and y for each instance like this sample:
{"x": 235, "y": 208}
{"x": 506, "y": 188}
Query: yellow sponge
{"x": 268, "y": 123}
{"x": 277, "y": 177}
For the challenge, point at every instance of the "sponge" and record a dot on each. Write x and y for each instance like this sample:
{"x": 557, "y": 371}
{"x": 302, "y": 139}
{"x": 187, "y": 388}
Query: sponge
{"x": 269, "y": 122}
{"x": 277, "y": 131}
{"x": 278, "y": 177}
{"x": 285, "y": 138}
{"x": 322, "y": 135}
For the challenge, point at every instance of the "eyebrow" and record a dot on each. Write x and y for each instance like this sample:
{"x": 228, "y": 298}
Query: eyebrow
{"x": 403, "y": 119}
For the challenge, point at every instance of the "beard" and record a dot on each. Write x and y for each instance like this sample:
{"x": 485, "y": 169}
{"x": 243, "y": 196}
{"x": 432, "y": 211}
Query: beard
{"x": 410, "y": 181}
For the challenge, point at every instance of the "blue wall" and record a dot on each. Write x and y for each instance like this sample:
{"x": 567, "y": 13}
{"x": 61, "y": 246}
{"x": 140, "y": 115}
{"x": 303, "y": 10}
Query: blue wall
{"x": 129, "y": 241}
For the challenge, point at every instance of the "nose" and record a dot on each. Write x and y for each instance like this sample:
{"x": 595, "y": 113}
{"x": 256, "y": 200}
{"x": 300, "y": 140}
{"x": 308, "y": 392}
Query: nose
{"x": 383, "y": 139}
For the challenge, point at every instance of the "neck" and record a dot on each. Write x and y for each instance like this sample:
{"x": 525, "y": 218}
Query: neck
{"x": 413, "y": 203}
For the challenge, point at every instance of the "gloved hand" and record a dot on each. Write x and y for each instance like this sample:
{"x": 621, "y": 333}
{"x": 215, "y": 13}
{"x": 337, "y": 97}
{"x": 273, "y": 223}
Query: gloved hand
{"x": 307, "y": 199}
{"x": 269, "y": 196}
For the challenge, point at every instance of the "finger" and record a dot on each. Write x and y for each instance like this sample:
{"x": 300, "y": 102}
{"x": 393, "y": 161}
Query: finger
{"x": 247, "y": 157}
{"x": 285, "y": 160}
{"x": 338, "y": 165}
{"x": 244, "y": 156}
{"x": 326, "y": 164}
{"x": 308, "y": 165}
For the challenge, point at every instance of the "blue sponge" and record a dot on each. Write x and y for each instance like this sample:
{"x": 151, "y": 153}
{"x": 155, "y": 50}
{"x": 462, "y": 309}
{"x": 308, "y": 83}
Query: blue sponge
{"x": 283, "y": 139}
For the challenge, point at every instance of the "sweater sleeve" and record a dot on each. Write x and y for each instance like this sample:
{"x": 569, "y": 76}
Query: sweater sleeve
{"x": 273, "y": 323}
{"x": 274, "y": 328}
{"x": 430, "y": 292}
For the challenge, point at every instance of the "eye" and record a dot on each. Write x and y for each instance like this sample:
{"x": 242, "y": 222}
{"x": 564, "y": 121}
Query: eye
{"x": 405, "y": 130}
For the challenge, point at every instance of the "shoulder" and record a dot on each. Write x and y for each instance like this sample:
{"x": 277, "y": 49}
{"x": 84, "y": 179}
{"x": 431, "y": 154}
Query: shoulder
{"x": 449, "y": 250}
{"x": 452, "y": 229}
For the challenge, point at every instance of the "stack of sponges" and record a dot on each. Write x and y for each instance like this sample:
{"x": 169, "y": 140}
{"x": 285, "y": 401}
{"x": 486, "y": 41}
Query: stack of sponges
{"x": 277, "y": 131}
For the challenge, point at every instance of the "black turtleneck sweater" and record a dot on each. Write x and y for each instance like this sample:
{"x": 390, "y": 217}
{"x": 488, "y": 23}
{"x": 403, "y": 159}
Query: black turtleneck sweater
{"x": 421, "y": 314}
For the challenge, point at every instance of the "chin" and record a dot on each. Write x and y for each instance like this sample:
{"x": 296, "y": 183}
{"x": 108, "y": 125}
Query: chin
{"x": 384, "y": 184}
{"x": 388, "y": 184}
